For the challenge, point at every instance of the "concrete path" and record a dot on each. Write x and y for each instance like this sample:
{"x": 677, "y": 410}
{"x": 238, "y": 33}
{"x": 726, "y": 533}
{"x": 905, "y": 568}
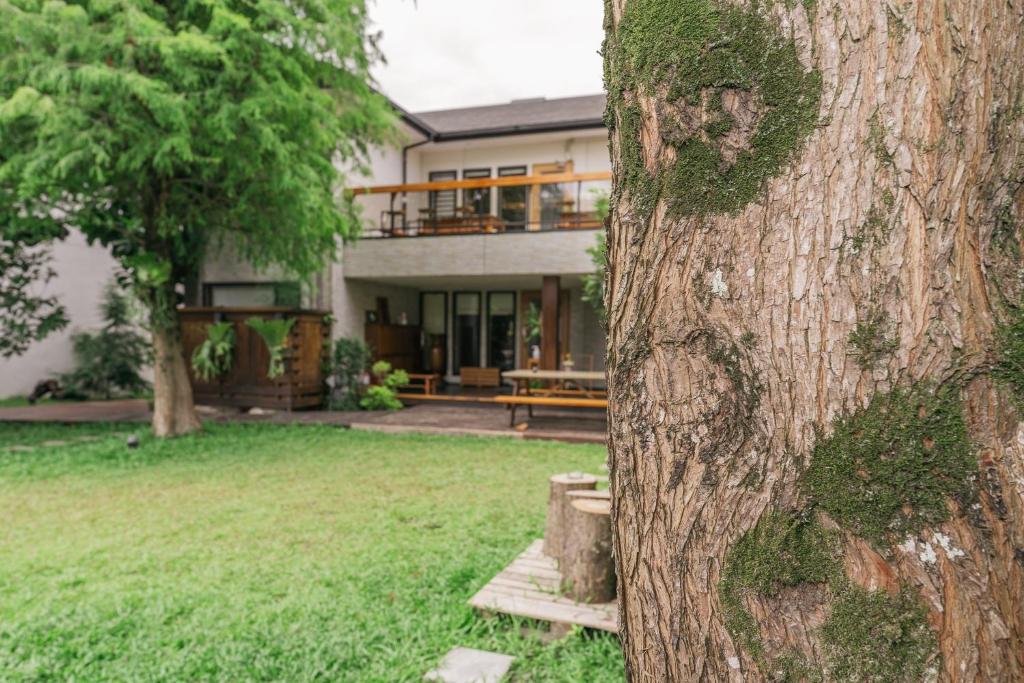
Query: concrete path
{"x": 586, "y": 426}
{"x": 466, "y": 665}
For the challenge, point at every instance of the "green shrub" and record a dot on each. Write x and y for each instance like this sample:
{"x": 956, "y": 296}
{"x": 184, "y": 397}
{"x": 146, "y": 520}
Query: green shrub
{"x": 274, "y": 333}
{"x": 349, "y": 360}
{"x": 384, "y": 394}
{"x": 214, "y": 356}
{"x": 108, "y": 363}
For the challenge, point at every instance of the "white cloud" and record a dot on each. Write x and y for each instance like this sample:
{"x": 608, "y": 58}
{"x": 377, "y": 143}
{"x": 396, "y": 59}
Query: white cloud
{"x": 454, "y": 53}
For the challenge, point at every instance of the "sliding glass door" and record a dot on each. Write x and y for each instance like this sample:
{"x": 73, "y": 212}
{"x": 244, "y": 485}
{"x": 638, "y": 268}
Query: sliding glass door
{"x": 467, "y": 329}
{"x": 434, "y": 319}
{"x": 501, "y": 330}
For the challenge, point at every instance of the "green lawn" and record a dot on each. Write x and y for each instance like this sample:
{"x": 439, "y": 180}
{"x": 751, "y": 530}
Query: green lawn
{"x": 271, "y": 553}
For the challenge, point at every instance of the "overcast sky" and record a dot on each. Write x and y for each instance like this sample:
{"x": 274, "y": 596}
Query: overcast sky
{"x": 455, "y": 53}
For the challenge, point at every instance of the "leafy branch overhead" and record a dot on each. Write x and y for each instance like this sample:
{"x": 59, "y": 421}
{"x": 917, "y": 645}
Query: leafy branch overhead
{"x": 165, "y": 130}
{"x": 26, "y": 315}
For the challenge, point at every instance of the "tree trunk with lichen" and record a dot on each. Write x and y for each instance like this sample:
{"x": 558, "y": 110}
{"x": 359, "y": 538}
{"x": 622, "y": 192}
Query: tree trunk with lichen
{"x": 816, "y": 351}
{"x": 174, "y": 408}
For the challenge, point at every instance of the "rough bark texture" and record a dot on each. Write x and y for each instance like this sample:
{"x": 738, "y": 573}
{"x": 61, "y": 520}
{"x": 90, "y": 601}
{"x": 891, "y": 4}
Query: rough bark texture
{"x": 174, "y": 411}
{"x": 884, "y": 253}
{"x": 554, "y": 531}
{"x": 588, "y": 571}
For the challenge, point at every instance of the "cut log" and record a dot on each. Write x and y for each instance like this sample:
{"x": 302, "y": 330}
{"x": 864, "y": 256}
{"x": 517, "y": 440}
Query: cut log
{"x": 596, "y": 494}
{"x": 557, "y": 502}
{"x": 588, "y": 572}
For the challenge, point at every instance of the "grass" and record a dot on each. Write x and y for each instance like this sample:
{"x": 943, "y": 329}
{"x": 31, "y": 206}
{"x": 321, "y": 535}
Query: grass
{"x": 36, "y": 433}
{"x": 258, "y": 552}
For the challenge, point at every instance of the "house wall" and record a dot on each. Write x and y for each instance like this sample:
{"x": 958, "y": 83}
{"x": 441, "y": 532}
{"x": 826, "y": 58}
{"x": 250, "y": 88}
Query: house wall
{"x": 82, "y": 273}
{"x": 561, "y": 252}
{"x": 350, "y": 299}
{"x": 368, "y": 268}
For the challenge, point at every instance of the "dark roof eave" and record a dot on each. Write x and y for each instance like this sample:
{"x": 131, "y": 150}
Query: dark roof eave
{"x": 502, "y": 131}
{"x": 415, "y": 122}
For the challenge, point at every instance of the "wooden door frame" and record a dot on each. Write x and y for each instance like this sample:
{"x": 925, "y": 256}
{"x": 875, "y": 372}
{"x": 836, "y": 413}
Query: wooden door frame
{"x": 564, "y": 321}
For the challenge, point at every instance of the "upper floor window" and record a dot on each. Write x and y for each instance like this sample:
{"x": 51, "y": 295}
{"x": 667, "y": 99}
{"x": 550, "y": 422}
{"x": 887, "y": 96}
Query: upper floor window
{"x": 512, "y": 200}
{"x": 442, "y": 202}
{"x": 477, "y": 200}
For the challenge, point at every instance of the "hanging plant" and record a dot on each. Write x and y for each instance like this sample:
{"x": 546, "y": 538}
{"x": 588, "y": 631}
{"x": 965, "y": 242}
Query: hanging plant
{"x": 214, "y": 356}
{"x": 274, "y": 334}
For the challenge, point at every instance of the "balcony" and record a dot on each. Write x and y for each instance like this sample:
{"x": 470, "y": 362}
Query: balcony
{"x": 511, "y": 204}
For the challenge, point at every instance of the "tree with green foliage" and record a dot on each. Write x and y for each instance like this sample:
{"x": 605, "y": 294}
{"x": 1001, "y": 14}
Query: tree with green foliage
{"x": 26, "y": 315}
{"x": 159, "y": 129}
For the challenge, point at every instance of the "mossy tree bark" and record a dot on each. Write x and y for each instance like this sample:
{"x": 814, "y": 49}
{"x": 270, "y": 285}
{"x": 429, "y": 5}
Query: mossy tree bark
{"x": 815, "y": 239}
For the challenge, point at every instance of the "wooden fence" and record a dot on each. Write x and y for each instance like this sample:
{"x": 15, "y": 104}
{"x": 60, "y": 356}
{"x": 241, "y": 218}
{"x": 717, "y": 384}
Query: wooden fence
{"x": 246, "y": 385}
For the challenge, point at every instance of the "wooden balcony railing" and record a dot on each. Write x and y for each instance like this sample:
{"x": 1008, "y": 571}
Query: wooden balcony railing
{"x": 556, "y": 201}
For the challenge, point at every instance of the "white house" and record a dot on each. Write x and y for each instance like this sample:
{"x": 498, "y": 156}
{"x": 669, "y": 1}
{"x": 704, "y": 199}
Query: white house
{"x": 477, "y": 225}
{"x": 475, "y": 233}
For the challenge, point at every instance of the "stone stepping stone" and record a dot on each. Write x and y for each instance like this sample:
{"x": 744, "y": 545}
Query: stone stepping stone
{"x": 466, "y": 665}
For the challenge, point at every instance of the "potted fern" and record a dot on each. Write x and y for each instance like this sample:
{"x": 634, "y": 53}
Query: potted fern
{"x": 274, "y": 333}
{"x": 213, "y": 358}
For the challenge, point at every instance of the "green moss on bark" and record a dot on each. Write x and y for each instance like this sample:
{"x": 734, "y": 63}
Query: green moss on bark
{"x": 1009, "y": 366}
{"x": 875, "y": 637}
{"x": 685, "y": 53}
{"x": 888, "y": 469}
{"x": 782, "y": 551}
{"x": 872, "y": 339}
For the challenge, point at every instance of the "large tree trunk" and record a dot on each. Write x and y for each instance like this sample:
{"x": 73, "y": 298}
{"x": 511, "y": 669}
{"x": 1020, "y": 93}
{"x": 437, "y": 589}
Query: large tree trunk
{"x": 174, "y": 411}
{"x": 755, "y": 306}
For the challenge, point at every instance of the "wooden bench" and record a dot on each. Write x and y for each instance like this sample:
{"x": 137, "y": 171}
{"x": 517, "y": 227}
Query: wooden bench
{"x": 480, "y": 377}
{"x": 425, "y": 381}
{"x": 515, "y": 401}
{"x": 568, "y": 393}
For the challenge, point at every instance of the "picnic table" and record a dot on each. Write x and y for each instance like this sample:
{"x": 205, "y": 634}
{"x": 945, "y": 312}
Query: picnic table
{"x": 562, "y": 377}
{"x": 567, "y": 388}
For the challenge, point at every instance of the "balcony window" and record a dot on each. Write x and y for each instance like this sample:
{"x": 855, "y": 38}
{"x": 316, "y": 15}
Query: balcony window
{"x": 512, "y": 200}
{"x": 477, "y": 201}
{"x": 442, "y": 202}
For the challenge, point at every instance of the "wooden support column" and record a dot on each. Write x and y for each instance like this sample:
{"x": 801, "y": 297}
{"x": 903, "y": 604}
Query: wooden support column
{"x": 549, "y": 302}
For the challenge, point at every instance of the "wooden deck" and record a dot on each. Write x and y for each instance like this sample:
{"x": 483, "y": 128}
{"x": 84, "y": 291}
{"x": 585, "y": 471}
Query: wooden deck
{"x": 529, "y": 588}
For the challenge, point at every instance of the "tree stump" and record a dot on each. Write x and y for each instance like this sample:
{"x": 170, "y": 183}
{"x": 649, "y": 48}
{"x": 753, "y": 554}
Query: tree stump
{"x": 588, "y": 572}
{"x": 585, "y": 494}
{"x": 557, "y": 502}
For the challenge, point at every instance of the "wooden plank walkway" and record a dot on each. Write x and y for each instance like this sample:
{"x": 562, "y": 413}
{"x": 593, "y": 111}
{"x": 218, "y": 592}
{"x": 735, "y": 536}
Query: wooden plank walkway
{"x": 529, "y": 588}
